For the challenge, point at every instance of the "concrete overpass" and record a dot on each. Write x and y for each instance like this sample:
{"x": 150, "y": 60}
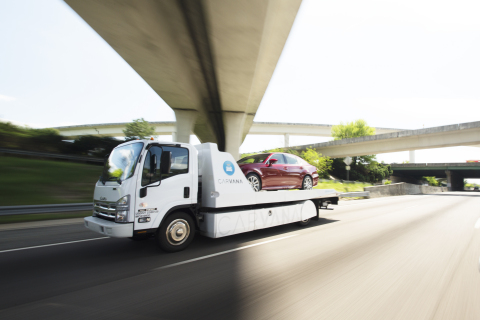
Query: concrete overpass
{"x": 463, "y": 134}
{"x": 169, "y": 128}
{"x": 454, "y": 172}
{"x": 209, "y": 60}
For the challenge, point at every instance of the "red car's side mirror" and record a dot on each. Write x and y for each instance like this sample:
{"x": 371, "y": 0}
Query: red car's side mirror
{"x": 272, "y": 161}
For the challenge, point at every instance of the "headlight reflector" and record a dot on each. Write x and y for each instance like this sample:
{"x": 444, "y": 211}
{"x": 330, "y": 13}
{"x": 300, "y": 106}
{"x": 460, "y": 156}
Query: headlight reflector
{"x": 122, "y": 209}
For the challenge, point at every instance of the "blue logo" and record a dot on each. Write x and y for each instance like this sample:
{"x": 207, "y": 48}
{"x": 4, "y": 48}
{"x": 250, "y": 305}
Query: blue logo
{"x": 228, "y": 168}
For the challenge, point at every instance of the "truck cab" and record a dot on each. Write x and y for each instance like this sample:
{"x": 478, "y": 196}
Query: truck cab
{"x": 141, "y": 181}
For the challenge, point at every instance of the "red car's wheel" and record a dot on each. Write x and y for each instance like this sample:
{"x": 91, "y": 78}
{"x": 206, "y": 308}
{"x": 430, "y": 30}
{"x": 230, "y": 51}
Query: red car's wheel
{"x": 254, "y": 181}
{"x": 307, "y": 183}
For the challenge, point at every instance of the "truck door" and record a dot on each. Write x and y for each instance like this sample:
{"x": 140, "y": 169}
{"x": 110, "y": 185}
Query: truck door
{"x": 157, "y": 192}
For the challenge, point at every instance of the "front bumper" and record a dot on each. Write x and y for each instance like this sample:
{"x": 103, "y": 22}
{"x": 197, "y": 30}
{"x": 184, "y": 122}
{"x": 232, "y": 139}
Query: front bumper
{"x": 109, "y": 228}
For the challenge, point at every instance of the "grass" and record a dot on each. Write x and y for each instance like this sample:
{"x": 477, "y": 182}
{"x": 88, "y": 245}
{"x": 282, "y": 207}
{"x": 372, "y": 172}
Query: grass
{"x": 27, "y": 181}
{"x": 342, "y": 187}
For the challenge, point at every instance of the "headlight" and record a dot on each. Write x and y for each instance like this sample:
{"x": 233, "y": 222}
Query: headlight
{"x": 122, "y": 209}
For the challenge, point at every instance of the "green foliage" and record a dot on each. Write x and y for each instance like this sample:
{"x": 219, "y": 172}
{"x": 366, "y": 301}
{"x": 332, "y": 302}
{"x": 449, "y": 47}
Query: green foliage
{"x": 378, "y": 171}
{"x": 470, "y": 185}
{"x": 431, "y": 181}
{"x": 361, "y": 170}
{"x": 16, "y": 137}
{"x": 92, "y": 145}
{"x": 342, "y": 187}
{"x": 50, "y": 140}
{"x": 358, "y": 128}
{"x": 138, "y": 129}
{"x": 323, "y": 164}
{"x": 388, "y": 182}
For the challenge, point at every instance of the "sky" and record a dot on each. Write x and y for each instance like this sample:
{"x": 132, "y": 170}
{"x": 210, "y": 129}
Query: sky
{"x": 396, "y": 64}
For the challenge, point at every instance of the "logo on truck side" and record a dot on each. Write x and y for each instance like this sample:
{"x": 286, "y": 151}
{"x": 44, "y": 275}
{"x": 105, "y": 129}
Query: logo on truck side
{"x": 228, "y": 168}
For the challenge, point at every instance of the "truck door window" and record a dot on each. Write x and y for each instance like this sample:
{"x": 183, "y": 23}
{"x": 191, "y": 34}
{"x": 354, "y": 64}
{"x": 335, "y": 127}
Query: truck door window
{"x": 151, "y": 171}
{"x": 179, "y": 161}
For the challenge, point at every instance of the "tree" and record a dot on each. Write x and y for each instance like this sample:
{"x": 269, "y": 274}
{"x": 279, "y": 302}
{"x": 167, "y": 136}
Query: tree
{"x": 431, "y": 181}
{"x": 323, "y": 164}
{"x": 138, "y": 129}
{"x": 354, "y": 129}
{"x": 363, "y": 168}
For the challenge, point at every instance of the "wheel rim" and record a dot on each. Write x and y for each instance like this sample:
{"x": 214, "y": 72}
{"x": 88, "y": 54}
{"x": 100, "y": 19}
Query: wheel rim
{"x": 178, "y": 231}
{"x": 307, "y": 184}
{"x": 254, "y": 182}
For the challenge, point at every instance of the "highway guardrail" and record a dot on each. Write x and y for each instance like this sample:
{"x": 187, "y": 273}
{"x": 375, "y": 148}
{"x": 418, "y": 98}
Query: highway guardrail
{"x": 45, "y": 208}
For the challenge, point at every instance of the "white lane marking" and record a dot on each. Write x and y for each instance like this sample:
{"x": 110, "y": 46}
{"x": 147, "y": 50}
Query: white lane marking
{"x": 221, "y": 253}
{"x": 477, "y": 225}
{"x": 51, "y": 245}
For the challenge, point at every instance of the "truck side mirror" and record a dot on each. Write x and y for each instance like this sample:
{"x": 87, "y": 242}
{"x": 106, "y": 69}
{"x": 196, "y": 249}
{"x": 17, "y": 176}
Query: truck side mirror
{"x": 166, "y": 162}
{"x": 272, "y": 161}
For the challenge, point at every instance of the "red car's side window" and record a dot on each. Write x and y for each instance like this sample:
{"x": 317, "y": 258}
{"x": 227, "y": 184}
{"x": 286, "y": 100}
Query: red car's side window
{"x": 291, "y": 159}
{"x": 279, "y": 157}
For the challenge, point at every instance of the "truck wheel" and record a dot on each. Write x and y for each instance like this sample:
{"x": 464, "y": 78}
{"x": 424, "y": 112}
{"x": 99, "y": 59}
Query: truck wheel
{"x": 254, "y": 181}
{"x": 176, "y": 232}
{"x": 304, "y": 222}
{"x": 307, "y": 183}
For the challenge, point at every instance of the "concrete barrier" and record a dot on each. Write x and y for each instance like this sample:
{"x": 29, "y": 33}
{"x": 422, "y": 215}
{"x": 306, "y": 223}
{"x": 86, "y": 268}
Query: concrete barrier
{"x": 402, "y": 188}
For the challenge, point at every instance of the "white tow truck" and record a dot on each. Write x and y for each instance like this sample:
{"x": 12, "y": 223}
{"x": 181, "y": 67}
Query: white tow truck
{"x": 173, "y": 190}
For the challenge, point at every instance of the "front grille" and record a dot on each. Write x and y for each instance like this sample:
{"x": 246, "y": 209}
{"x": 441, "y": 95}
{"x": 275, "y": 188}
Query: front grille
{"x": 105, "y": 210}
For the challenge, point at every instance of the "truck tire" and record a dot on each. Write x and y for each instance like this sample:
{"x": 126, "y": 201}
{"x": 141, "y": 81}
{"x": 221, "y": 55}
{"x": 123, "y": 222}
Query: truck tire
{"x": 254, "y": 181}
{"x": 307, "y": 183}
{"x": 176, "y": 232}
{"x": 304, "y": 222}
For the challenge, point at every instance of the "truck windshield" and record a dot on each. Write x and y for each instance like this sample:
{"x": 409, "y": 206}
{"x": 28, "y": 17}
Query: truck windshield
{"x": 121, "y": 162}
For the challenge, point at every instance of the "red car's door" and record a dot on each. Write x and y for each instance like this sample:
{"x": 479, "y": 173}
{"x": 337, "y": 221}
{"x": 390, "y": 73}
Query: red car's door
{"x": 281, "y": 166}
{"x": 272, "y": 174}
{"x": 294, "y": 172}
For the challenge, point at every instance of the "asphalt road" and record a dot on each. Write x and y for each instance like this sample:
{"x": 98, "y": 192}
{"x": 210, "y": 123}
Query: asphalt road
{"x": 406, "y": 257}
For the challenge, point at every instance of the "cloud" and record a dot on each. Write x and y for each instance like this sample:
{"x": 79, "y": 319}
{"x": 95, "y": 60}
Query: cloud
{"x": 7, "y": 98}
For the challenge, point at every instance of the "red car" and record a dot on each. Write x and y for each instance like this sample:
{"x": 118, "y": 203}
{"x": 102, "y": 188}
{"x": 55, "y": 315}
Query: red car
{"x": 275, "y": 171}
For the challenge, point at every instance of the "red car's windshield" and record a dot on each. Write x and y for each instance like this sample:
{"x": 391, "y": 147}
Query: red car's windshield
{"x": 258, "y": 158}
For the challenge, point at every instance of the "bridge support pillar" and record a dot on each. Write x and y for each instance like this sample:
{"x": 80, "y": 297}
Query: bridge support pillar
{"x": 234, "y": 122}
{"x": 184, "y": 125}
{"x": 411, "y": 154}
{"x": 287, "y": 140}
{"x": 449, "y": 179}
{"x": 454, "y": 181}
